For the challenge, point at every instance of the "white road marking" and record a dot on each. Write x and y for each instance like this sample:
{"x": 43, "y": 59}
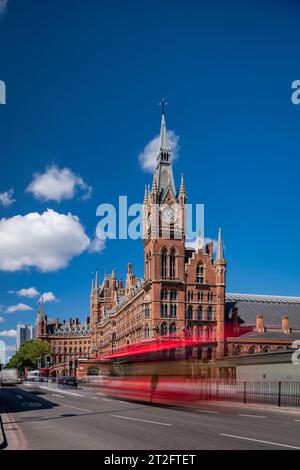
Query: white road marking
{"x": 258, "y": 440}
{"x": 19, "y": 396}
{"x": 208, "y": 411}
{"x": 76, "y": 408}
{"x": 297, "y": 420}
{"x": 102, "y": 394}
{"x": 94, "y": 398}
{"x": 253, "y": 416}
{"x": 143, "y": 420}
{"x": 106, "y": 399}
{"x": 32, "y": 404}
{"x": 56, "y": 395}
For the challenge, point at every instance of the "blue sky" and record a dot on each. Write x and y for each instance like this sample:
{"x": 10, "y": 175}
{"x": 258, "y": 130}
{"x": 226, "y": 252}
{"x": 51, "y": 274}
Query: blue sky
{"x": 83, "y": 84}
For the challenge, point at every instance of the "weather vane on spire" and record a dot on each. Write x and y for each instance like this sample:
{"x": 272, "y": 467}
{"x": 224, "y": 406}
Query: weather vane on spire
{"x": 163, "y": 104}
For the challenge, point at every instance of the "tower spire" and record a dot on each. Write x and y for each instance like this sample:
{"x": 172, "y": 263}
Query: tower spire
{"x": 182, "y": 192}
{"x": 164, "y": 145}
{"x": 220, "y": 250}
{"x": 146, "y": 195}
{"x": 92, "y": 287}
{"x": 96, "y": 285}
{"x": 163, "y": 173}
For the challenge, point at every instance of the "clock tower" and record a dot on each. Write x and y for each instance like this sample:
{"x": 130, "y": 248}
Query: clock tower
{"x": 164, "y": 242}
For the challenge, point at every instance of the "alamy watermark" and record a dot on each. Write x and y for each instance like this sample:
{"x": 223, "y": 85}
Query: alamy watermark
{"x": 142, "y": 221}
{"x": 2, "y": 92}
{"x": 295, "y": 97}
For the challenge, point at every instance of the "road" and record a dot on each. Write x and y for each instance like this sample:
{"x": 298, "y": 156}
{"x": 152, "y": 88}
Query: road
{"x": 37, "y": 417}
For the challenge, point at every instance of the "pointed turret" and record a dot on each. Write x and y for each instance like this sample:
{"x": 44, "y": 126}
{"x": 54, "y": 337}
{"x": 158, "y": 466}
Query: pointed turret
{"x": 146, "y": 195}
{"x": 154, "y": 184}
{"x": 163, "y": 173}
{"x": 92, "y": 287}
{"x": 182, "y": 193}
{"x": 220, "y": 250}
{"x": 41, "y": 310}
{"x": 164, "y": 145}
{"x": 199, "y": 240}
{"x": 96, "y": 285}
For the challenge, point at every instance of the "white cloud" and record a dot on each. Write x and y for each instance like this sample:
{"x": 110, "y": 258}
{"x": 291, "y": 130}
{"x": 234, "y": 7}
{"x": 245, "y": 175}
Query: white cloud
{"x": 29, "y": 292}
{"x": 47, "y": 297}
{"x": 2, "y": 319}
{"x": 97, "y": 245}
{"x": 147, "y": 157}
{"x": 6, "y": 198}
{"x": 57, "y": 184}
{"x": 8, "y": 333}
{"x": 3, "y": 5}
{"x": 46, "y": 241}
{"x": 18, "y": 308}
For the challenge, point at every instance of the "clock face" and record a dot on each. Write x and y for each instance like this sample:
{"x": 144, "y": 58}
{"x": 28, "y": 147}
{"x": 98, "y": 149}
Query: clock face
{"x": 169, "y": 215}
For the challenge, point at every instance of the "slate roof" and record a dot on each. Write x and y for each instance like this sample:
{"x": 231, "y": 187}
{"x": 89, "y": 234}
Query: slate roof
{"x": 274, "y": 335}
{"x": 273, "y": 308}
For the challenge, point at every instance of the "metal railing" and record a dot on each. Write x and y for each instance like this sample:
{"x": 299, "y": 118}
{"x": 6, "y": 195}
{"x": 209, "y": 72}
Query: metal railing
{"x": 271, "y": 393}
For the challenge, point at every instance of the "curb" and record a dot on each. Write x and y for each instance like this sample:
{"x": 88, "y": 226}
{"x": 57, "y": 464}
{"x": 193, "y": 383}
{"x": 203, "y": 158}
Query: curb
{"x": 3, "y": 440}
{"x": 276, "y": 409}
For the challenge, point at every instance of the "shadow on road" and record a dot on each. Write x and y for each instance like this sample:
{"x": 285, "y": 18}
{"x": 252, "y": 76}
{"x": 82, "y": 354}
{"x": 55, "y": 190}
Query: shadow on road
{"x": 17, "y": 399}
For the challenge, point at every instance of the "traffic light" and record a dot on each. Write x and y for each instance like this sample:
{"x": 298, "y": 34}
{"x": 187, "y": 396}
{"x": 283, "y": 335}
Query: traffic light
{"x": 70, "y": 363}
{"x": 48, "y": 360}
{"x": 39, "y": 362}
{"x": 76, "y": 363}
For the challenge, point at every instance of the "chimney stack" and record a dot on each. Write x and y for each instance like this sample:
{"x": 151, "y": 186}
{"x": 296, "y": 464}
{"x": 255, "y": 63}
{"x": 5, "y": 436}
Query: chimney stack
{"x": 209, "y": 249}
{"x": 285, "y": 324}
{"x": 260, "y": 323}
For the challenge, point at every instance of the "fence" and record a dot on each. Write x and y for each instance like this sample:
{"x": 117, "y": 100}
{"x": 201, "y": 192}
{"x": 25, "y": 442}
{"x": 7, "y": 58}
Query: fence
{"x": 271, "y": 393}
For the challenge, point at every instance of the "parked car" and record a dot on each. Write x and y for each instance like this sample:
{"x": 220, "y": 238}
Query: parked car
{"x": 71, "y": 381}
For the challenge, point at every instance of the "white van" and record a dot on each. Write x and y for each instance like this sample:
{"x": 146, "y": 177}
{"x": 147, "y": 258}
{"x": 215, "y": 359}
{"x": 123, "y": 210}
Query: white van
{"x": 9, "y": 377}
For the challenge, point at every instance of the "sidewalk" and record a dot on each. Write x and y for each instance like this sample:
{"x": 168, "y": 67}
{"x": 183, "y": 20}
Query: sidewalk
{"x": 254, "y": 406}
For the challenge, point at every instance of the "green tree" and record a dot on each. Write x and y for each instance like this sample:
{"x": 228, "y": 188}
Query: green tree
{"x": 28, "y": 354}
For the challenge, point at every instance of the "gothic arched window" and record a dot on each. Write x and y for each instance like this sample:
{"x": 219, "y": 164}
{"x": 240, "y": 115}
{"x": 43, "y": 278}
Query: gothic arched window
{"x": 164, "y": 294}
{"x": 209, "y": 313}
{"x": 147, "y": 311}
{"x": 147, "y": 332}
{"x": 199, "y": 273}
{"x": 172, "y": 259}
{"x": 199, "y": 313}
{"x": 189, "y": 313}
{"x": 173, "y": 310}
{"x": 163, "y": 263}
{"x": 163, "y": 329}
{"x": 173, "y": 294}
{"x": 173, "y": 328}
{"x": 164, "y": 310}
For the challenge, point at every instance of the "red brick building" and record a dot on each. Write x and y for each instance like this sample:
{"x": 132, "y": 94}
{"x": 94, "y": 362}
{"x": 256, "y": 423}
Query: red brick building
{"x": 182, "y": 288}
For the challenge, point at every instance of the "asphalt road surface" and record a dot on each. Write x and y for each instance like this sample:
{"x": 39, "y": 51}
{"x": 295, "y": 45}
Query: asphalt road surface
{"x": 40, "y": 417}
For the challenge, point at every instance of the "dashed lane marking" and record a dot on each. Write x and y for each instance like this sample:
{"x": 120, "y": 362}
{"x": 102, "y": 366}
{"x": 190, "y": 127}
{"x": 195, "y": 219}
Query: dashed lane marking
{"x": 76, "y": 408}
{"x": 209, "y": 411}
{"x": 142, "y": 420}
{"x": 260, "y": 441}
{"x": 56, "y": 395}
{"x": 253, "y": 416}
